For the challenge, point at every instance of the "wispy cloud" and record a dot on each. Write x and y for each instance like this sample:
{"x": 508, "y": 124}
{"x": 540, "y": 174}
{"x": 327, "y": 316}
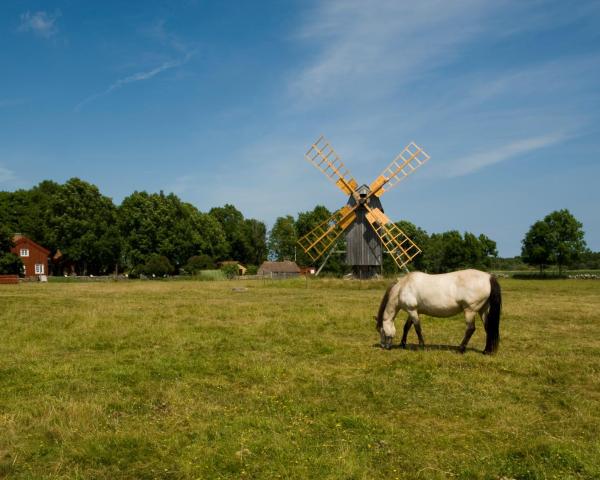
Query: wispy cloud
{"x": 472, "y": 163}
{"x": 10, "y": 102}
{"x": 40, "y": 23}
{"x": 6, "y": 175}
{"x": 136, "y": 77}
{"x": 380, "y": 47}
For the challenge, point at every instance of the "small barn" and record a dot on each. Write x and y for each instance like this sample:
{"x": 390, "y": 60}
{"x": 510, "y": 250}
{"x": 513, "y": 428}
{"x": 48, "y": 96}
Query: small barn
{"x": 279, "y": 269}
{"x": 33, "y": 256}
{"x": 241, "y": 270}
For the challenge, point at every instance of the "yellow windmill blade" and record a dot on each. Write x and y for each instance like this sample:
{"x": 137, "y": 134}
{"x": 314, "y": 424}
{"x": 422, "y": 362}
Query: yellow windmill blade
{"x": 401, "y": 248}
{"x": 407, "y": 161}
{"x": 316, "y": 242}
{"x": 322, "y": 155}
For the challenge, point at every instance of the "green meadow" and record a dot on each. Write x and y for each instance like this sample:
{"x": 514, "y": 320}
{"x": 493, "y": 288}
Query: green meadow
{"x": 233, "y": 379}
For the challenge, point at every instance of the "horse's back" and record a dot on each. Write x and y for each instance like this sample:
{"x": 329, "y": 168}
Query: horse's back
{"x": 446, "y": 294}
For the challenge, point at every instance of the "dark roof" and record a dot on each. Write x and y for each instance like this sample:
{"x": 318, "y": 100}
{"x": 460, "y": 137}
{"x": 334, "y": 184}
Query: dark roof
{"x": 279, "y": 267}
{"x": 18, "y": 238}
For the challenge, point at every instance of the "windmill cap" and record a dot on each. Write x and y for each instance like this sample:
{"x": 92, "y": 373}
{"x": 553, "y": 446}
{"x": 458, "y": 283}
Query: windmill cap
{"x": 363, "y": 190}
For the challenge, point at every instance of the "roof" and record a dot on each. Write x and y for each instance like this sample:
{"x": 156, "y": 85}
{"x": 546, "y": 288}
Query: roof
{"x": 18, "y": 239}
{"x": 279, "y": 267}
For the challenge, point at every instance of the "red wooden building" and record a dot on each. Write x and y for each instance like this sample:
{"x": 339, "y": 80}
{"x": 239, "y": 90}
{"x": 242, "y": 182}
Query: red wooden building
{"x": 33, "y": 256}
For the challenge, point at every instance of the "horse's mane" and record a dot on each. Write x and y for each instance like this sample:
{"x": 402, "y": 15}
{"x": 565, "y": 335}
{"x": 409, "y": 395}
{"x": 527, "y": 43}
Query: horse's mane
{"x": 382, "y": 306}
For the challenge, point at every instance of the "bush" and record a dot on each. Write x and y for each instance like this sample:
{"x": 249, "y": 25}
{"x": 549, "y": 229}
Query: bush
{"x": 156, "y": 265}
{"x": 251, "y": 270}
{"x": 10, "y": 264}
{"x": 230, "y": 270}
{"x": 199, "y": 262}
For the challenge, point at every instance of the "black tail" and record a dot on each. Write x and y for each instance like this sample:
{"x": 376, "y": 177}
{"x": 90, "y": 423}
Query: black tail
{"x": 492, "y": 326}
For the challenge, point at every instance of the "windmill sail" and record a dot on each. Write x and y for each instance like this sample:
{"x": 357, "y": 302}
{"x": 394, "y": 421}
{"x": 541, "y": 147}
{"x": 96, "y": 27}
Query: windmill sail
{"x": 323, "y": 156}
{"x": 316, "y": 242}
{"x": 407, "y": 161}
{"x": 400, "y": 247}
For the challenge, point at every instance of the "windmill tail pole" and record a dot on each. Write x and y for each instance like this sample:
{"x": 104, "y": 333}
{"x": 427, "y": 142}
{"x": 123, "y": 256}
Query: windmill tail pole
{"x": 325, "y": 260}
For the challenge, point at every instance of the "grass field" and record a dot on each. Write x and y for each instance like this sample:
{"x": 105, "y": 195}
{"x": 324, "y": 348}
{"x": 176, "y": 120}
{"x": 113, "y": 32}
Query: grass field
{"x": 192, "y": 379}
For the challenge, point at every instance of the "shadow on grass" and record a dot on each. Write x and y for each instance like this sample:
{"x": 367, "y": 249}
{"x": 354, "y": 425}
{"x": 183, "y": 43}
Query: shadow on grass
{"x": 431, "y": 346}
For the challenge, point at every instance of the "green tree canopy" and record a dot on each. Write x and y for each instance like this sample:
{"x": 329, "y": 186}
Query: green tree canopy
{"x": 246, "y": 238}
{"x": 558, "y": 238}
{"x": 10, "y": 264}
{"x": 164, "y": 225}
{"x": 83, "y": 225}
{"x": 282, "y": 239}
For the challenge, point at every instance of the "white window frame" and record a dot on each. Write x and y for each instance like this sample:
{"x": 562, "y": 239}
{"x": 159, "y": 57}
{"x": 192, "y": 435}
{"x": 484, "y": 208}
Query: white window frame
{"x": 39, "y": 269}
{"x": 24, "y": 252}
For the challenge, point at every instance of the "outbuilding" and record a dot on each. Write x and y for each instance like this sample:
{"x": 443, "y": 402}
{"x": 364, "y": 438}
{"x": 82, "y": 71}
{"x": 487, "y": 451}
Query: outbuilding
{"x": 33, "y": 256}
{"x": 279, "y": 269}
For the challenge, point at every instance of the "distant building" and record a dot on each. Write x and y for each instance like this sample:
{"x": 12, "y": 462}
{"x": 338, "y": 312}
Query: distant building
{"x": 307, "y": 270}
{"x": 279, "y": 269}
{"x": 241, "y": 270}
{"x": 33, "y": 256}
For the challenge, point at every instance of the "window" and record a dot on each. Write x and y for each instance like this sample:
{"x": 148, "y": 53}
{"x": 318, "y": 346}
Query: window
{"x": 24, "y": 252}
{"x": 39, "y": 268}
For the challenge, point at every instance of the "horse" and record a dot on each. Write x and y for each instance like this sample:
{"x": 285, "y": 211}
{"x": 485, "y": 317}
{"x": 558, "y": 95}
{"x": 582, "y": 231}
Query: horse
{"x": 470, "y": 291}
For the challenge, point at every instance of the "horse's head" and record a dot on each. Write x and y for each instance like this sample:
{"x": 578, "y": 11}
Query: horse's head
{"x": 385, "y": 341}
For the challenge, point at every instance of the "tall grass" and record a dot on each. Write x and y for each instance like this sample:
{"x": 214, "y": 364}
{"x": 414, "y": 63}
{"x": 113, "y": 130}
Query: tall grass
{"x": 187, "y": 379}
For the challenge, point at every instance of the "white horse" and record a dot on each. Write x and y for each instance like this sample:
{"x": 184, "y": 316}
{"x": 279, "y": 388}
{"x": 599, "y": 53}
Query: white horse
{"x": 470, "y": 291}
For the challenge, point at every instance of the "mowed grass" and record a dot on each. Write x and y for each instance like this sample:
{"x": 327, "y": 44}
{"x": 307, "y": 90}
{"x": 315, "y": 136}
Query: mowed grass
{"x": 188, "y": 379}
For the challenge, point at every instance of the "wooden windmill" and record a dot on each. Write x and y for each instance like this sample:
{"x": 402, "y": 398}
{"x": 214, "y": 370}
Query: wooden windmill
{"x": 367, "y": 228}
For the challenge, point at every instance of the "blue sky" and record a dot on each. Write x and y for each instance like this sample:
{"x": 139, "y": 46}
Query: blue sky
{"x": 219, "y": 101}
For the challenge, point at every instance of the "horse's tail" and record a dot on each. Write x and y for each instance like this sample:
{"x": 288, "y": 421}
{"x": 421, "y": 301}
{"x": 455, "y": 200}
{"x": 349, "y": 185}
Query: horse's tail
{"x": 492, "y": 324}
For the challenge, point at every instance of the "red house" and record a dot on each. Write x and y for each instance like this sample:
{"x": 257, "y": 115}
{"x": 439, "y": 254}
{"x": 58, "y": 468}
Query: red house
{"x": 33, "y": 256}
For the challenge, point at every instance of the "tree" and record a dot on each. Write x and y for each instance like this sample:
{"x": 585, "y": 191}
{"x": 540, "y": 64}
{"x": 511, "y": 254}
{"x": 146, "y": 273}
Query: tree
{"x": 567, "y": 237}
{"x": 282, "y": 239}
{"x": 558, "y": 238}
{"x": 255, "y": 233}
{"x": 536, "y": 248}
{"x": 246, "y": 238}
{"x": 163, "y": 224}
{"x": 417, "y": 235}
{"x": 10, "y": 264}
{"x": 82, "y": 224}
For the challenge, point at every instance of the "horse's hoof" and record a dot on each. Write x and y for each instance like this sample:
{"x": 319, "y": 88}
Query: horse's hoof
{"x": 462, "y": 349}
{"x": 403, "y": 346}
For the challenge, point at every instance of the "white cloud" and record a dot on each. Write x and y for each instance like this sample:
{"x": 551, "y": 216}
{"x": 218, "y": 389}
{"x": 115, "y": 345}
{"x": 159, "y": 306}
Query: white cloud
{"x": 10, "y": 102}
{"x": 6, "y": 175}
{"x": 366, "y": 50}
{"x": 40, "y": 23}
{"x": 477, "y": 161}
{"x": 136, "y": 77}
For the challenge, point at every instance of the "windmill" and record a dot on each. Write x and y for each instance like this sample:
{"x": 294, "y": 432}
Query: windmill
{"x": 368, "y": 229}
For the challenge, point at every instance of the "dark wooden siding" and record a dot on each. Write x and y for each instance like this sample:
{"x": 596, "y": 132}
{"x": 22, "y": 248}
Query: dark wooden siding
{"x": 363, "y": 245}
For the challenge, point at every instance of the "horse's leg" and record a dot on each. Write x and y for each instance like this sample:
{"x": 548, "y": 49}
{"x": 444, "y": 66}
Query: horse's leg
{"x": 470, "y": 319}
{"x": 407, "y": 326}
{"x": 414, "y": 316}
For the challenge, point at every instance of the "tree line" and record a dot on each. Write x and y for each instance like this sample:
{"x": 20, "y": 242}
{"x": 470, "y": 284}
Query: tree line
{"x": 159, "y": 233}
{"x": 441, "y": 252}
{"x": 88, "y": 234}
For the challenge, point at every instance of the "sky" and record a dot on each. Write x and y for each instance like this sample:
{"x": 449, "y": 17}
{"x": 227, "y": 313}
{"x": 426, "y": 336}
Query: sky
{"x": 218, "y": 101}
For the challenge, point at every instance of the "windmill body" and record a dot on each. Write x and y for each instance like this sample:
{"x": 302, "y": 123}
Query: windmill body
{"x": 369, "y": 231}
{"x": 363, "y": 246}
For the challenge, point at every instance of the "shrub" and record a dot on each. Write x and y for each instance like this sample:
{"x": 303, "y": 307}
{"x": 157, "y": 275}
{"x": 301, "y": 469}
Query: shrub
{"x": 230, "y": 270}
{"x": 157, "y": 265}
{"x": 10, "y": 264}
{"x": 199, "y": 262}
